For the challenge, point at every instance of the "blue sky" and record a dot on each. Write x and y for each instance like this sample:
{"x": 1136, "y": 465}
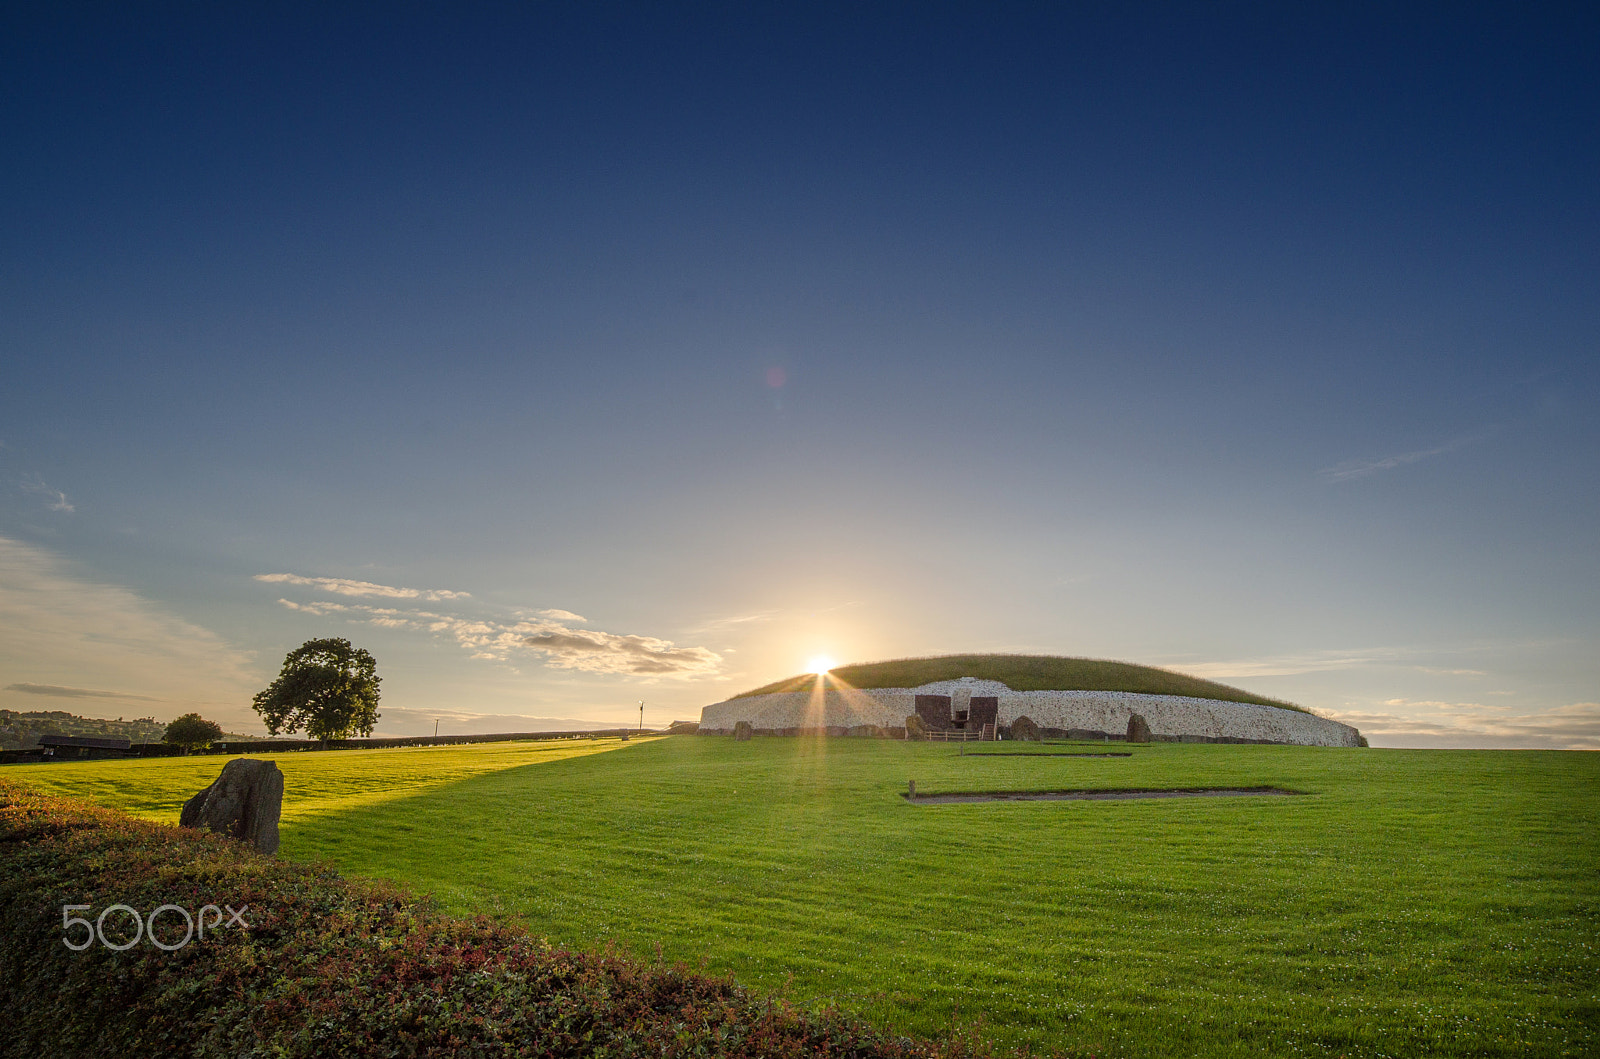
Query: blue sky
{"x": 576, "y": 355}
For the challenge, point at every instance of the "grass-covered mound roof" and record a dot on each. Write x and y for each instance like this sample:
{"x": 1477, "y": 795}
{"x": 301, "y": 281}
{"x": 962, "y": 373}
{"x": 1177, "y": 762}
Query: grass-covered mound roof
{"x": 1025, "y": 673}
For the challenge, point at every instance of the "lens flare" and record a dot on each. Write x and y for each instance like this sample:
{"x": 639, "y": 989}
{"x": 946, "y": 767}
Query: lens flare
{"x": 820, "y": 664}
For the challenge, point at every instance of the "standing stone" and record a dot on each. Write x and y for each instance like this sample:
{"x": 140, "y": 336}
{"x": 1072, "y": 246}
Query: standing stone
{"x": 1138, "y": 729}
{"x": 742, "y": 732}
{"x": 243, "y": 803}
{"x": 1024, "y": 729}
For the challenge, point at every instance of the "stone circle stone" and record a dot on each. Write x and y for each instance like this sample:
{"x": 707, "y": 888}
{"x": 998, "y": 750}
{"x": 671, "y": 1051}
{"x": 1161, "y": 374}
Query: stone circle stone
{"x": 244, "y": 803}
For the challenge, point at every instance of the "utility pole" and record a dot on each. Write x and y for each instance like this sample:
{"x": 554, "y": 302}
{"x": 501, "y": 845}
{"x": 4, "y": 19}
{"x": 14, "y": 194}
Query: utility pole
{"x": 436, "y": 727}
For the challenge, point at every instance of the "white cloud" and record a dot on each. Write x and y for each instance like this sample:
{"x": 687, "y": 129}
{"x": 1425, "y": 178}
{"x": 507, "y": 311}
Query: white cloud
{"x": 55, "y": 499}
{"x": 62, "y": 629}
{"x": 603, "y": 652}
{"x": 341, "y": 586}
{"x": 586, "y": 650}
{"x": 1425, "y": 723}
{"x": 556, "y": 614}
{"x": 314, "y": 609}
{"x": 1350, "y": 470}
{"x": 740, "y": 619}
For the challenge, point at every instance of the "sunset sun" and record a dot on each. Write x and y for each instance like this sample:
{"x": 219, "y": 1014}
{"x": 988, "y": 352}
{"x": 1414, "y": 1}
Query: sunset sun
{"x": 820, "y": 664}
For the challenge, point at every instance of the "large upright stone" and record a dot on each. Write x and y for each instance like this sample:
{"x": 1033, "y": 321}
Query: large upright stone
{"x": 1023, "y": 729}
{"x": 243, "y": 803}
{"x": 1138, "y": 729}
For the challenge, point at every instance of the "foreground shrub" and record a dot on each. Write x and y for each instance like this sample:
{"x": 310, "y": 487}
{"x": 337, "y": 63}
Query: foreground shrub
{"x": 333, "y": 967}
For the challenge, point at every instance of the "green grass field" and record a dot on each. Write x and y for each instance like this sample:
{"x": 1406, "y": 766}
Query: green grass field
{"x": 1413, "y": 903}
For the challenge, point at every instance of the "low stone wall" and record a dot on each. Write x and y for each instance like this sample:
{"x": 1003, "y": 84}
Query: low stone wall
{"x": 1172, "y": 718}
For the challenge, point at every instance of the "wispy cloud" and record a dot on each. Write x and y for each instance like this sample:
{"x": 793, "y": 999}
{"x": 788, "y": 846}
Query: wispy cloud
{"x": 1289, "y": 665}
{"x": 341, "y": 586}
{"x": 314, "y": 609}
{"x": 738, "y": 619}
{"x": 557, "y": 614}
{"x": 1445, "y": 707}
{"x": 64, "y": 630}
{"x": 1421, "y": 658}
{"x": 563, "y": 647}
{"x": 55, "y": 499}
{"x": 1471, "y": 724}
{"x": 58, "y": 692}
{"x": 1350, "y": 470}
{"x": 603, "y": 652}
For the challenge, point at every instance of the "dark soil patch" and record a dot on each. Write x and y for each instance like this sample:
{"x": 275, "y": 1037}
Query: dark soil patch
{"x": 1101, "y": 795}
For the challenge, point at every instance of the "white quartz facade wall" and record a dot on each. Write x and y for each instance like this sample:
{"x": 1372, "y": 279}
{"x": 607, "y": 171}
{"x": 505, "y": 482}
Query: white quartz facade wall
{"x": 1169, "y": 716}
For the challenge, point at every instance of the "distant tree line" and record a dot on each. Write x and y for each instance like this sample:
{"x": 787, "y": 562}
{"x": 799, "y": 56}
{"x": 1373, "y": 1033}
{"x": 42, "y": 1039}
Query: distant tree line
{"x": 20, "y": 730}
{"x": 327, "y": 687}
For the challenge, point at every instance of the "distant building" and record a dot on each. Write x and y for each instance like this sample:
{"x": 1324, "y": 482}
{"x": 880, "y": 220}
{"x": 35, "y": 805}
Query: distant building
{"x": 81, "y": 747}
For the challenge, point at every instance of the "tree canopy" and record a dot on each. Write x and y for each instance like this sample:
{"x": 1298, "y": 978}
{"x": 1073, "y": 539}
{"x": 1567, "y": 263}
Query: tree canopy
{"x": 327, "y": 687}
{"x": 192, "y": 730}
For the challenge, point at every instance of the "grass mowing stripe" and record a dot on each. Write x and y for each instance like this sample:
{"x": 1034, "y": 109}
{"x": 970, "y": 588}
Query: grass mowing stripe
{"x": 314, "y": 782}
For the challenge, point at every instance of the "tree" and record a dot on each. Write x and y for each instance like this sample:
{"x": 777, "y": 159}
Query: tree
{"x": 328, "y": 687}
{"x": 192, "y": 730}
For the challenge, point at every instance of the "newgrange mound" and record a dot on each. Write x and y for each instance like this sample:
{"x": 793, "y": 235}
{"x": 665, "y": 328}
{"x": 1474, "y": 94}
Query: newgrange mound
{"x": 981, "y": 696}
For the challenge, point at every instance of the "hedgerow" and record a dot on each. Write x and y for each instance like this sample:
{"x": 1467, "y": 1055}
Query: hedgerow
{"x": 337, "y": 967}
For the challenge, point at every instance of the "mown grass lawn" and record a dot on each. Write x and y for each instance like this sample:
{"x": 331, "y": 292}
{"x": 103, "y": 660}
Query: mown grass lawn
{"x": 314, "y": 784}
{"x": 1412, "y": 903}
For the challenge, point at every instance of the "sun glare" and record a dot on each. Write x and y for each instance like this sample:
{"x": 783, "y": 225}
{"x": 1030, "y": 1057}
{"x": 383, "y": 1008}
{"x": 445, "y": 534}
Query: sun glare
{"x": 819, "y": 664}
